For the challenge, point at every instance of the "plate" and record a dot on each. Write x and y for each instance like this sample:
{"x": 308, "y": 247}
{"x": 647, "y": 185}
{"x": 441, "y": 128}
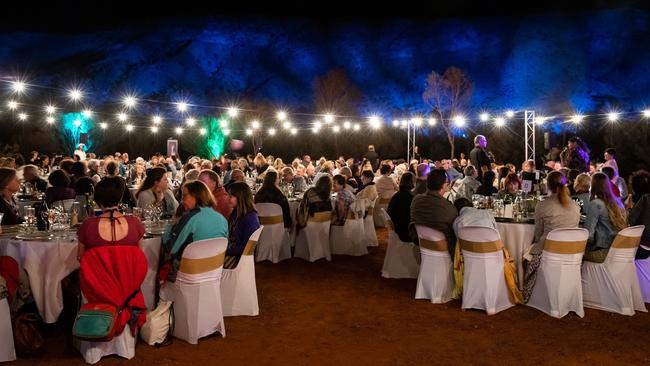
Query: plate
{"x": 35, "y": 236}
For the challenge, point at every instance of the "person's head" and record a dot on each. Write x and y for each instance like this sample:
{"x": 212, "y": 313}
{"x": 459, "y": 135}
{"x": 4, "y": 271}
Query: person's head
{"x": 241, "y": 198}
{"x": 529, "y": 166}
{"x": 407, "y": 181}
{"x": 139, "y": 169}
{"x": 259, "y": 160}
{"x": 278, "y": 164}
{"x": 287, "y": 174}
{"x": 462, "y": 155}
{"x": 470, "y": 171}
{"x": 45, "y": 160}
{"x": 34, "y": 155}
{"x": 384, "y": 169}
{"x": 445, "y": 164}
{"x": 191, "y": 175}
{"x": 573, "y": 142}
{"x": 582, "y": 183}
{"x": 338, "y": 183}
{"x": 234, "y": 164}
{"x": 371, "y": 147}
{"x": 237, "y": 175}
{"x": 367, "y": 176}
{"x": 326, "y": 167}
{"x": 59, "y": 178}
{"x": 462, "y": 202}
{"x": 503, "y": 172}
{"x": 111, "y": 168}
{"x": 196, "y": 194}
{"x": 488, "y": 178}
{"x": 437, "y": 180}
{"x": 423, "y": 171}
{"x": 300, "y": 170}
{"x": 640, "y": 182}
{"x": 270, "y": 180}
{"x": 156, "y": 180}
{"x": 66, "y": 165}
{"x": 480, "y": 141}
{"x": 601, "y": 188}
{"x": 109, "y": 191}
{"x": 84, "y": 185}
{"x": 610, "y": 154}
{"x": 9, "y": 183}
{"x": 206, "y": 165}
{"x": 512, "y": 184}
{"x": 323, "y": 187}
{"x": 349, "y": 162}
{"x": 125, "y": 158}
{"x": 310, "y": 170}
{"x": 79, "y": 169}
{"x": 30, "y": 173}
{"x": 557, "y": 184}
{"x": 609, "y": 172}
{"x": 346, "y": 172}
{"x": 511, "y": 168}
{"x": 93, "y": 165}
{"x": 210, "y": 178}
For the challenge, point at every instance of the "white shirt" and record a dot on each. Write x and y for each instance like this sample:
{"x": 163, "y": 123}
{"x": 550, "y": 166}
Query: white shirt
{"x": 81, "y": 154}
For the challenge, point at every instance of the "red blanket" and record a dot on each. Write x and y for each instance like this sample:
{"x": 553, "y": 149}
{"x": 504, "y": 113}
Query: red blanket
{"x": 111, "y": 274}
{"x": 9, "y": 271}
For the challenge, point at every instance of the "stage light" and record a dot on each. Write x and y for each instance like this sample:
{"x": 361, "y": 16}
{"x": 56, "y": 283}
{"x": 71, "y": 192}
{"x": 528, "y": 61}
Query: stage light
{"x": 154, "y": 129}
{"x": 510, "y": 113}
{"x": 347, "y": 125}
{"x": 49, "y": 120}
{"x": 499, "y": 121}
{"x": 286, "y": 125}
{"x": 226, "y": 132}
{"x": 87, "y": 113}
{"x": 18, "y": 86}
{"x": 375, "y": 122}
{"x": 294, "y": 131}
{"x": 356, "y": 127}
{"x": 577, "y": 118}
{"x": 103, "y": 125}
{"x": 249, "y": 132}
{"x": 77, "y": 123}
{"x": 179, "y": 131}
{"x": 336, "y": 129}
{"x": 646, "y": 113}
{"x": 395, "y": 123}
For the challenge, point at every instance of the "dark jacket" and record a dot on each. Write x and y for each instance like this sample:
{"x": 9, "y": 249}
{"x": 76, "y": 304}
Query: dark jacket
{"x": 55, "y": 194}
{"x": 486, "y": 190}
{"x": 373, "y": 158}
{"x": 11, "y": 215}
{"x": 479, "y": 158}
{"x": 433, "y": 210}
{"x": 399, "y": 210}
{"x": 274, "y": 195}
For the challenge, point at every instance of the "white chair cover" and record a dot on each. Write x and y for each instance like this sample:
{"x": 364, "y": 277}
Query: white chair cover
{"x": 313, "y": 241}
{"x": 197, "y": 291}
{"x": 558, "y": 288}
{"x": 122, "y": 345}
{"x": 643, "y": 274}
{"x": 402, "y": 258}
{"x": 369, "y": 233}
{"x": 238, "y": 287}
{"x": 436, "y": 278}
{"x": 349, "y": 238}
{"x": 151, "y": 249}
{"x": 274, "y": 244}
{"x": 613, "y": 285}
{"x": 7, "y": 349}
{"x": 484, "y": 284}
{"x": 380, "y": 202}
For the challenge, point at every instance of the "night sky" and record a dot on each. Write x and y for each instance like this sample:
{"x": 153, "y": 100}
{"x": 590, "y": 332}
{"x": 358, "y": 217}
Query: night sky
{"x": 554, "y": 59}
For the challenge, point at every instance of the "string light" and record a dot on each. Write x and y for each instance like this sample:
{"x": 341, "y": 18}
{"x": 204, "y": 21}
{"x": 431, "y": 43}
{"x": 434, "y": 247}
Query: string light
{"x": 484, "y": 117}
{"x": 179, "y": 131}
{"x": 459, "y": 121}
{"x": 157, "y": 119}
{"x": 75, "y": 95}
{"x": 122, "y": 117}
{"x": 255, "y": 124}
{"x": 613, "y": 116}
{"x": 12, "y": 104}
{"x": 129, "y": 128}
{"x": 272, "y": 131}
{"x": 22, "y": 116}
{"x": 18, "y": 86}
{"x": 103, "y": 125}
{"x": 49, "y": 119}
{"x": 190, "y": 121}
{"x": 281, "y": 116}
{"x": 87, "y": 113}
{"x": 154, "y": 129}
{"x": 202, "y": 131}
{"x": 50, "y": 109}
{"x": 182, "y": 106}
{"x": 233, "y": 112}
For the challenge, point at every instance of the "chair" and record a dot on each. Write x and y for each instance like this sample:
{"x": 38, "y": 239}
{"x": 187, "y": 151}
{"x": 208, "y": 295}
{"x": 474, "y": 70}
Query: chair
{"x": 369, "y": 232}
{"x": 196, "y": 293}
{"x": 484, "y": 284}
{"x": 436, "y": 277}
{"x": 643, "y": 274}
{"x": 558, "y": 288}
{"x": 349, "y": 238}
{"x": 313, "y": 241}
{"x": 380, "y": 202}
{"x": 402, "y": 258}
{"x": 238, "y": 287}
{"x": 274, "y": 243}
{"x": 110, "y": 275}
{"x": 7, "y": 349}
{"x": 613, "y": 285}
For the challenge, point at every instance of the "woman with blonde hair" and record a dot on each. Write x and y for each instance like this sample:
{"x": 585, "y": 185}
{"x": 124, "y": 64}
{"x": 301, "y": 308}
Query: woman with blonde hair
{"x": 581, "y": 186}
{"x": 278, "y": 164}
{"x": 260, "y": 164}
{"x": 606, "y": 216}
{"x": 557, "y": 211}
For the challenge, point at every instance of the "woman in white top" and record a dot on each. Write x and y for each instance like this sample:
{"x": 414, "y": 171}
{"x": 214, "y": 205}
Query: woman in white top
{"x": 155, "y": 191}
{"x": 557, "y": 211}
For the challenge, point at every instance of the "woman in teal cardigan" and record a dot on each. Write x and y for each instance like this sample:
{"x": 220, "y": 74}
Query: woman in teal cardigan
{"x": 199, "y": 222}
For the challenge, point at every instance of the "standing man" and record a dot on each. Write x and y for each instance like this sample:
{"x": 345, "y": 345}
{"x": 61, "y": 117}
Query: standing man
{"x": 479, "y": 157}
{"x": 80, "y": 152}
{"x": 372, "y": 157}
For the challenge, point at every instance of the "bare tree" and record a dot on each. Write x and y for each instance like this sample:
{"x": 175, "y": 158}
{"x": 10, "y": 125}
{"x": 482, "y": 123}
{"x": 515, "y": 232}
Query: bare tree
{"x": 445, "y": 94}
{"x": 335, "y": 93}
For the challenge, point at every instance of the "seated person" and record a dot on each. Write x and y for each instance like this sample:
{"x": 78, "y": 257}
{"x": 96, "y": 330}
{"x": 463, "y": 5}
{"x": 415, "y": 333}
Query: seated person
{"x": 368, "y": 190}
{"x": 9, "y": 185}
{"x": 316, "y": 199}
{"x": 31, "y": 175}
{"x": 221, "y": 200}
{"x": 399, "y": 207}
{"x": 343, "y": 200}
{"x": 155, "y": 192}
{"x": 242, "y": 223}
{"x": 384, "y": 183}
{"x": 581, "y": 186}
{"x": 487, "y": 188}
{"x": 606, "y": 216}
{"x": 60, "y": 189}
{"x": 470, "y": 216}
{"x": 270, "y": 193}
{"x": 288, "y": 176}
{"x": 198, "y": 222}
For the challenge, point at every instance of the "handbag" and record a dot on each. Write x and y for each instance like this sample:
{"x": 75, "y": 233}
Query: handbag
{"x": 27, "y": 338}
{"x": 96, "y": 321}
{"x": 159, "y": 327}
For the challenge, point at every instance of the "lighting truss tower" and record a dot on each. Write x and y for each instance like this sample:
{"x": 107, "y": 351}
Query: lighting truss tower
{"x": 530, "y": 135}
{"x": 410, "y": 141}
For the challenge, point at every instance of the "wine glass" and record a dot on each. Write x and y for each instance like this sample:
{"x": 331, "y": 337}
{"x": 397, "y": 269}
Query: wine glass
{"x": 51, "y": 218}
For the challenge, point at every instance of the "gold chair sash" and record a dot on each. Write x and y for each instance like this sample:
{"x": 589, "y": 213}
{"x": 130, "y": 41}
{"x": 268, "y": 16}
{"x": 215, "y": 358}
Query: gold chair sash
{"x": 371, "y": 211}
{"x": 250, "y": 248}
{"x": 389, "y": 225}
{"x": 481, "y": 247}
{"x": 321, "y": 217}
{"x": 565, "y": 247}
{"x": 271, "y": 220}
{"x": 201, "y": 265}
{"x": 437, "y": 245}
{"x": 623, "y": 242}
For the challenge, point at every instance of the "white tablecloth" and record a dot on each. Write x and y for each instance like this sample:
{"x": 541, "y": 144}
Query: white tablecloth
{"x": 517, "y": 238}
{"x": 49, "y": 262}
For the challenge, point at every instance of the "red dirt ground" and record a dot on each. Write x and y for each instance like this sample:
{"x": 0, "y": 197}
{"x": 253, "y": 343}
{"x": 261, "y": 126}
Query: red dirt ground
{"x": 344, "y": 313}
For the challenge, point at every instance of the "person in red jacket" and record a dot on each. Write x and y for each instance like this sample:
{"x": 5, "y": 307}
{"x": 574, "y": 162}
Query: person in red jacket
{"x": 213, "y": 181}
